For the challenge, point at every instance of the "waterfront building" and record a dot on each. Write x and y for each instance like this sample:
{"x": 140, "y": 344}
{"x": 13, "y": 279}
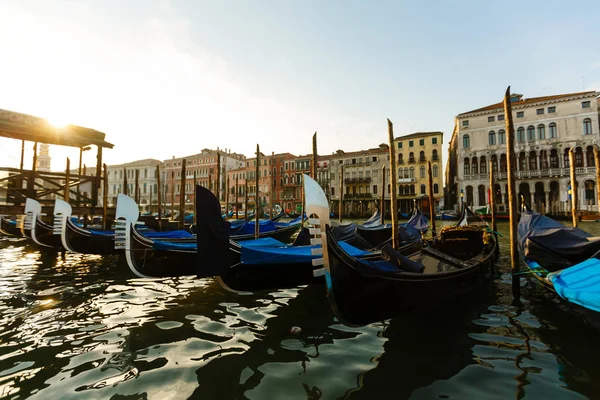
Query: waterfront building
{"x": 147, "y": 182}
{"x": 545, "y": 129}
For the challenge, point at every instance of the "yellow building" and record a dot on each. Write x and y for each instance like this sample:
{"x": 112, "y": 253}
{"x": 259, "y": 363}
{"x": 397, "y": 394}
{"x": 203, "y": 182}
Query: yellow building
{"x": 413, "y": 153}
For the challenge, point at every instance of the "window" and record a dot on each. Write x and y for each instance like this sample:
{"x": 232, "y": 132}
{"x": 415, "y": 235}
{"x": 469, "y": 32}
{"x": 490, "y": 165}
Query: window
{"x": 465, "y": 123}
{"x": 520, "y": 114}
{"x": 467, "y": 167}
{"x": 551, "y": 110}
{"x": 399, "y": 145}
{"x": 541, "y": 132}
{"x": 530, "y": 133}
{"x": 466, "y": 141}
{"x": 501, "y": 117}
{"x": 400, "y": 160}
{"x": 422, "y": 189}
{"x": 434, "y": 140}
{"x": 411, "y": 157}
{"x": 434, "y": 155}
{"x": 436, "y": 188}
{"x": 587, "y": 126}
{"x": 421, "y": 155}
{"x": 492, "y": 137}
{"x": 421, "y": 142}
{"x": 374, "y": 189}
{"x": 434, "y": 171}
{"x": 375, "y": 159}
{"x": 411, "y": 172}
{"x": 422, "y": 172}
{"x": 483, "y": 165}
{"x": 521, "y": 134}
{"x": 501, "y": 136}
{"x": 539, "y": 111}
{"x": 585, "y": 104}
{"x": 491, "y": 119}
{"x": 552, "y": 128}
{"x": 411, "y": 143}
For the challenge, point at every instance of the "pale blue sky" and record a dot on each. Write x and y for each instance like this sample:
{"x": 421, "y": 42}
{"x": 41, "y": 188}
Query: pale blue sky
{"x": 166, "y": 78}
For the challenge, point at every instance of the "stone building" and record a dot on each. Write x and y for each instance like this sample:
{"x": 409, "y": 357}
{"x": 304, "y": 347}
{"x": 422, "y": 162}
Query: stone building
{"x": 147, "y": 181}
{"x": 545, "y": 129}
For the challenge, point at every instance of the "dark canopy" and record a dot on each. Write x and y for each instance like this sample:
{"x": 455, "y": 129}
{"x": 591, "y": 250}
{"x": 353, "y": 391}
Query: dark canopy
{"x": 15, "y": 125}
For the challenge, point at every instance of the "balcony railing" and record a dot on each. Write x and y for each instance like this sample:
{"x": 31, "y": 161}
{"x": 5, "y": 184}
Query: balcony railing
{"x": 536, "y": 173}
{"x": 358, "y": 196}
{"x": 358, "y": 180}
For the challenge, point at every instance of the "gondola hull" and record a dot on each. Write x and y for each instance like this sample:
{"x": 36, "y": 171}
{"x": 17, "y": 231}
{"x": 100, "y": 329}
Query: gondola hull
{"x": 81, "y": 240}
{"x": 8, "y": 227}
{"x": 44, "y": 235}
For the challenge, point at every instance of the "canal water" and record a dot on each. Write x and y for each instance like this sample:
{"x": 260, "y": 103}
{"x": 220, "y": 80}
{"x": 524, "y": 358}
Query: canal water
{"x": 82, "y": 327}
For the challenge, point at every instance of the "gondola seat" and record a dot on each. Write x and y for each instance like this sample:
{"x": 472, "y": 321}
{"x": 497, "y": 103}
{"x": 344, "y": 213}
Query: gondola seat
{"x": 389, "y": 254}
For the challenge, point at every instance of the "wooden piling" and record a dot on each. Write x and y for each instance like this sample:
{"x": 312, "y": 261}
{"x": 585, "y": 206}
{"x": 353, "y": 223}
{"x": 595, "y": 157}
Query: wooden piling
{"x": 341, "y": 203}
{"x": 492, "y": 197}
{"x": 574, "y": 199}
{"x": 597, "y": 165}
{"x": 431, "y": 201}
{"x": 218, "y": 191}
{"x": 314, "y": 156}
{"x": 512, "y": 195}
{"x": 67, "y": 181}
{"x": 136, "y": 185}
{"x": 271, "y": 192}
{"x": 182, "y": 195}
{"x": 246, "y": 199}
{"x": 35, "y": 157}
{"x": 237, "y": 193}
{"x": 79, "y": 179}
{"x": 172, "y": 195}
{"x": 382, "y": 201}
{"x": 22, "y": 155}
{"x": 227, "y": 197}
{"x": 256, "y": 202}
{"x": 158, "y": 197}
{"x": 393, "y": 184}
{"x": 125, "y": 186}
{"x": 105, "y": 198}
{"x": 194, "y": 195}
{"x": 303, "y": 206}
{"x": 210, "y": 185}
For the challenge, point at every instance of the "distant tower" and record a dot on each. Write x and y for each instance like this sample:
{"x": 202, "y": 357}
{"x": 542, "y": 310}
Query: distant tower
{"x": 43, "y": 160}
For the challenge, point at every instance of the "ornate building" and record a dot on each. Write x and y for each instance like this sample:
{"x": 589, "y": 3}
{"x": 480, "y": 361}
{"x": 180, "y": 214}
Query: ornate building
{"x": 545, "y": 129}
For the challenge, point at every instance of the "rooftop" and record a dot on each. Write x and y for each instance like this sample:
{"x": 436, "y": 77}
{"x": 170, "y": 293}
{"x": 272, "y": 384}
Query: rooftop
{"x": 419, "y": 134}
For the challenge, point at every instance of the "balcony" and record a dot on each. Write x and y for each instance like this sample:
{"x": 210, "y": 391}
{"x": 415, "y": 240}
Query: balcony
{"x": 357, "y": 180}
{"x": 358, "y": 196}
{"x": 421, "y": 159}
{"x": 411, "y": 160}
{"x": 536, "y": 173}
{"x": 434, "y": 158}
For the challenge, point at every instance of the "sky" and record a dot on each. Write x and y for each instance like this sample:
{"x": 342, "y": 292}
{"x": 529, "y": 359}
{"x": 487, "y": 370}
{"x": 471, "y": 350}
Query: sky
{"x": 170, "y": 78}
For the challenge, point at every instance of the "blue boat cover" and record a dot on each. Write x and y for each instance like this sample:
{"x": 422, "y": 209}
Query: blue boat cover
{"x": 179, "y": 234}
{"x": 265, "y": 225}
{"x": 102, "y": 232}
{"x": 418, "y": 221}
{"x": 579, "y": 284}
{"x": 271, "y": 251}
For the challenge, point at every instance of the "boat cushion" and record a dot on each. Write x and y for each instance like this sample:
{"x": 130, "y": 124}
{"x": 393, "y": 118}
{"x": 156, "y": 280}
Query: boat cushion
{"x": 388, "y": 253}
{"x": 579, "y": 284}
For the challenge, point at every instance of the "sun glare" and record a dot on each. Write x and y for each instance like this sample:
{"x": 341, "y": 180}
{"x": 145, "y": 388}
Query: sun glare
{"x": 58, "y": 122}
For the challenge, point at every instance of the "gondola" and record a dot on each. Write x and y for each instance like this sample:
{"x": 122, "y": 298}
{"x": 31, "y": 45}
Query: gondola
{"x": 565, "y": 262}
{"x": 378, "y": 235}
{"x": 9, "y": 227}
{"x": 459, "y": 260}
{"x": 39, "y": 231}
{"x": 447, "y": 216}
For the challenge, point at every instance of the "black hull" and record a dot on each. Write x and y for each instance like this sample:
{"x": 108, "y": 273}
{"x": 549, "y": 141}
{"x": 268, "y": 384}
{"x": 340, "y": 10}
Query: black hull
{"x": 8, "y": 229}
{"x": 283, "y": 234}
{"x": 81, "y": 240}
{"x": 45, "y": 236}
{"x": 375, "y": 237}
{"x": 362, "y": 298}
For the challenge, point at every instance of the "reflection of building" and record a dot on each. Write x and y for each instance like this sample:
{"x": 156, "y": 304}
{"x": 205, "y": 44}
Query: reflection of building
{"x": 545, "y": 129}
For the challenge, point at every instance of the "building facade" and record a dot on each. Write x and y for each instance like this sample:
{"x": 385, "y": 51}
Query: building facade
{"x": 147, "y": 182}
{"x": 545, "y": 129}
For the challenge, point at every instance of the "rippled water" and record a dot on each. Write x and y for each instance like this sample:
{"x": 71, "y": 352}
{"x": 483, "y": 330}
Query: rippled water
{"x": 83, "y": 327}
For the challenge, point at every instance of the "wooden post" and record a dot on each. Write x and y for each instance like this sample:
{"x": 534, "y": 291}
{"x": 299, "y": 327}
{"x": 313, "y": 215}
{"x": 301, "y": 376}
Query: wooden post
{"x": 125, "y": 186}
{"x": 597, "y": 165}
{"x": 67, "y": 181}
{"x": 303, "y": 201}
{"x": 137, "y": 186}
{"x": 194, "y": 194}
{"x": 314, "y": 157}
{"x": 227, "y": 196}
{"x": 271, "y": 198}
{"x": 256, "y": 202}
{"x": 246, "y": 199}
{"x": 105, "y": 198}
{"x": 218, "y": 191}
{"x": 35, "y": 157}
{"x": 172, "y": 195}
{"x": 96, "y": 179}
{"x": 79, "y": 178}
{"x": 393, "y": 184}
{"x": 574, "y": 199}
{"x": 511, "y": 164}
{"x": 237, "y": 193}
{"x": 158, "y": 197}
{"x": 492, "y": 197}
{"x": 382, "y": 202}
{"x": 22, "y": 154}
{"x": 341, "y": 203}
{"x": 431, "y": 201}
{"x": 182, "y": 195}
{"x": 150, "y": 200}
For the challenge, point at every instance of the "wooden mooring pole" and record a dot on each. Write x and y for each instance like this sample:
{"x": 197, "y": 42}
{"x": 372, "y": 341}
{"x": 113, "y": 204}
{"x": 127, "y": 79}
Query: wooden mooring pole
{"x": 393, "y": 184}
{"x": 194, "y": 194}
{"x": 256, "y": 201}
{"x": 314, "y": 156}
{"x": 125, "y": 186}
{"x": 218, "y": 191}
{"x": 574, "y": 199}
{"x": 137, "y": 186}
{"x": 237, "y": 193}
{"x": 172, "y": 195}
{"x": 492, "y": 197}
{"x": 226, "y": 197}
{"x": 341, "y": 203}
{"x": 158, "y": 197}
{"x": 431, "y": 201}
{"x": 512, "y": 195}
{"x": 597, "y": 166}
{"x": 67, "y": 181}
{"x": 105, "y": 198}
{"x": 246, "y": 198}
{"x": 382, "y": 201}
{"x": 182, "y": 195}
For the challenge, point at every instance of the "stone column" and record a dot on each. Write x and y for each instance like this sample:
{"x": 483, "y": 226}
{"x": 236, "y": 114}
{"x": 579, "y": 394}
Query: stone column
{"x": 547, "y": 203}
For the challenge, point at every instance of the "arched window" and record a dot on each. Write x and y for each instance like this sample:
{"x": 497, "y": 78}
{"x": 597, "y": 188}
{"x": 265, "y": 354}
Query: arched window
{"x": 434, "y": 171}
{"x": 566, "y": 158}
{"x": 530, "y": 133}
{"x": 541, "y": 132}
{"x": 587, "y": 126}
{"x": 422, "y": 171}
{"x": 421, "y": 155}
{"x": 411, "y": 157}
{"x": 520, "y": 134}
{"x": 554, "y": 159}
{"x": 406, "y": 189}
{"x": 492, "y": 137}
{"x": 422, "y": 189}
{"x": 411, "y": 172}
{"x": 434, "y": 155}
{"x": 467, "y": 167}
{"x": 578, "y": 157}
{"x": 532, "y": 161}
{"x": 501, "y": 136}
{"x": 553, "y": 132}
{"x": 494, "y": 163}
{"x": 503, "y": 163}
{"x": 412, "y": 189}
{"x": 522, "y": 162}
{"x": 589, "y": 156}
{"x": 401, "y": 189}
{"x": 482, "y": 165}
{"x": 436, "y": 188}
{"x": 466, "y": 142}
{"x": 474, "y": 165}
{"x": 400, "y": 160}
{"x": 406, "y": 172}
{"x": 590, "y": 192}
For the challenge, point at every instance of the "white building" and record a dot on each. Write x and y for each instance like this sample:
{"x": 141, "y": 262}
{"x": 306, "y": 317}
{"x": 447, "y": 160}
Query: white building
{"x": 147, "y": 181}
{"x": 545, "y": 129}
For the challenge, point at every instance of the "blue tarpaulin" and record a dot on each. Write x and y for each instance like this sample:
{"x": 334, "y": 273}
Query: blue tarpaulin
{"x": 579, "y": 284}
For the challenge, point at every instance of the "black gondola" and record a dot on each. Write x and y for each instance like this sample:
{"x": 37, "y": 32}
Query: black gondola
{"x": 565, "y": 262}
{"x": 9, "y": 227}
{"x": 360, "y": 292}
